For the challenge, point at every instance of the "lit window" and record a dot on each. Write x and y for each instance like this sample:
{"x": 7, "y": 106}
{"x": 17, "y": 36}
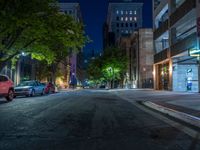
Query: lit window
{"x": 122, "y": 31}
{"x": 122, "y": 19}
{"x": 135, "y": 18}
{"x": 126, "y": 31}
{"x": 135, "y": 12}
{"x": 131, "y": 18}
{"x": 131, "y": 12}
{"x": 126, "y": 12}
{"x": 122, "y": 12}
{"x": 117, "y": 12}
{"x": 126, "y": 19}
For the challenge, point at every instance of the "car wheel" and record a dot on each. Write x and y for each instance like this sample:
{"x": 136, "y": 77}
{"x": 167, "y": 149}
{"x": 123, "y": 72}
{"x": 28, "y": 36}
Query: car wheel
{"x": 32, "y": 93}
{"x": 10, "y": 95}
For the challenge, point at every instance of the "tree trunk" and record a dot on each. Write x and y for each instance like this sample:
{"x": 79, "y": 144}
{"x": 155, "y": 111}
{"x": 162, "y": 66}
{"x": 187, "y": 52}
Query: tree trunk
{"x": 53, "y": 73}
{"x": 2, "y": 65}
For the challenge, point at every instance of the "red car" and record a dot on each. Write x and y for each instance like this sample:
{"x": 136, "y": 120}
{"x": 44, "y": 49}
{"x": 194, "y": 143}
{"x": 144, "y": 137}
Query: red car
{"x": 49, "y": 88}
{"x": 6, "y": 88}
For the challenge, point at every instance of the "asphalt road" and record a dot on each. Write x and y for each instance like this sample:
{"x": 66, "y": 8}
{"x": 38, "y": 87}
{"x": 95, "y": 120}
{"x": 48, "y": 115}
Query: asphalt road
{"x": 85, "y": 120}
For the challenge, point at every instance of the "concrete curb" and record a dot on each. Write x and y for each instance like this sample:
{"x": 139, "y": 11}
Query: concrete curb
{"x": 192, "y": 120}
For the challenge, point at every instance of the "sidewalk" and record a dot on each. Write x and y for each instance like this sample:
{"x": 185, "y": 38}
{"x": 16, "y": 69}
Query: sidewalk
{"x": 185, "y": 107}
{"x": 180, "y": 105}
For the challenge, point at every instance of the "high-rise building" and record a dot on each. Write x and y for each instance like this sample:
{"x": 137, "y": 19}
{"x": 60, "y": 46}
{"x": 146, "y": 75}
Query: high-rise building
{"x": 124, "y": 18}
{"x": 139, "y": 50}
{"x": 72, "y": 77}
{"x": 176, "y": 40}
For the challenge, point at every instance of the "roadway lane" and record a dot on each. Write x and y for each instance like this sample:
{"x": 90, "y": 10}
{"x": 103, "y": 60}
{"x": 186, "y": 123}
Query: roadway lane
{"x": 85, "y": 120}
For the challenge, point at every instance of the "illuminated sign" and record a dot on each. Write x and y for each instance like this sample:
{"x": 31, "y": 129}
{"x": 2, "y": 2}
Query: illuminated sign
{"x": 194, "y": 52}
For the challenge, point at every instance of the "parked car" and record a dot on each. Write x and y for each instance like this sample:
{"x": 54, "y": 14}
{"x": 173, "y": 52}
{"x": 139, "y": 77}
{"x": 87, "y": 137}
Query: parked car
{"x": 49, "y": 87}
{"x": 6, "y": 87}
{"x": 102, "y": 86}
{"x": 29, "y": 88}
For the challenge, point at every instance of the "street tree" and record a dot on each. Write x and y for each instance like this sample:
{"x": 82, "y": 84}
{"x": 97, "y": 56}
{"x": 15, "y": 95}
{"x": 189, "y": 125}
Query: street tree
{"x": 37, "y": 28}
{"x": 111, "y": 66}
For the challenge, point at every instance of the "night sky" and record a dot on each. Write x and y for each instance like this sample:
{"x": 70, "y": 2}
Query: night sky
{"x": 94, "y": 15}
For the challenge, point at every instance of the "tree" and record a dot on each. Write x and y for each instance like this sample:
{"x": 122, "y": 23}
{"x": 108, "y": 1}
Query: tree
{"x": 111, "y": 66}
{"x": 38, "y": 28}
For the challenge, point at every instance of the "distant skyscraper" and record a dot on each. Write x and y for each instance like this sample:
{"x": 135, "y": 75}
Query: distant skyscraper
{"x": 72, "y": 9}
{"x": 124, "y": 17}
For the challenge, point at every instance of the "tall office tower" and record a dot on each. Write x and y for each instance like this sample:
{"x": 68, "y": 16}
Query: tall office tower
{"x": 124, "y": 17}
{"x": 72, "y": 9}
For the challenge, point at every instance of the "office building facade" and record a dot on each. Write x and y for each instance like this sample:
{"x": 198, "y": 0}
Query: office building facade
{"x": 139, "y": 50}
{"x": 123, "y": 18}
{"x": 176, "y": 43}
{"x": 70, "y": 71}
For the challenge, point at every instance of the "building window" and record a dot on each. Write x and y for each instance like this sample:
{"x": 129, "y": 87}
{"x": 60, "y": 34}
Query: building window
{"x": 66, "y": 12}
{"x": 126, "y": 12}
{"x": 126, "y": 24}
{"x": 117, "y": 24}
{"x": 122, "y": 25}
{"x": 122, "y": 12}
{"x": 117, "y": 30}
{"x": 70, "y": 12}
{"x": 117, "y": 12}
{"x": 135, "y": 18}
{"x": 126, "y": 19}
{"x": 131, "y": 18}
{"x": 135, "y": 25}
{"x": 131, "y": 25}
{"x": 135, "y": 12}
{"x": 117, "y": 18}
{"x": 131, "y": 12}
{"x": 122, "y": 19}
{"x": 126, "y": 31}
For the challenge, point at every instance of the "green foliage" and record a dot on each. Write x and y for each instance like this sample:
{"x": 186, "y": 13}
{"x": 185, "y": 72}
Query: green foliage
{"x": 37, "y": 27}
{"x": 111, "y": 66}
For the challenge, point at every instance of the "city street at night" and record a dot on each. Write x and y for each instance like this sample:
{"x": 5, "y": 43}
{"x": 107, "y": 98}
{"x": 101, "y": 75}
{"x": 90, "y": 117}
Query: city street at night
{"x": 89, "y": 120}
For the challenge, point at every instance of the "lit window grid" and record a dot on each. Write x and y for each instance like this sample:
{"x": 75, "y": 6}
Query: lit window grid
{"x": 126, "y": 12}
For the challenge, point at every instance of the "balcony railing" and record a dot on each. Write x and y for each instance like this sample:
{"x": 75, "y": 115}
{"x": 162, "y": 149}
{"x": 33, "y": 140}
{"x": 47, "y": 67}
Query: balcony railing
{"x": 161, "y": 56}
{"x": 184, "y": 44}
{"x": 182, "y": 11}
{"x": 162, "y": 29}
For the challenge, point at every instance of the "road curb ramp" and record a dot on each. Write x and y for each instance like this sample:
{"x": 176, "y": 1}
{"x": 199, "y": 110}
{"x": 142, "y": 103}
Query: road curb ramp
{"x": 192, "y": 120}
